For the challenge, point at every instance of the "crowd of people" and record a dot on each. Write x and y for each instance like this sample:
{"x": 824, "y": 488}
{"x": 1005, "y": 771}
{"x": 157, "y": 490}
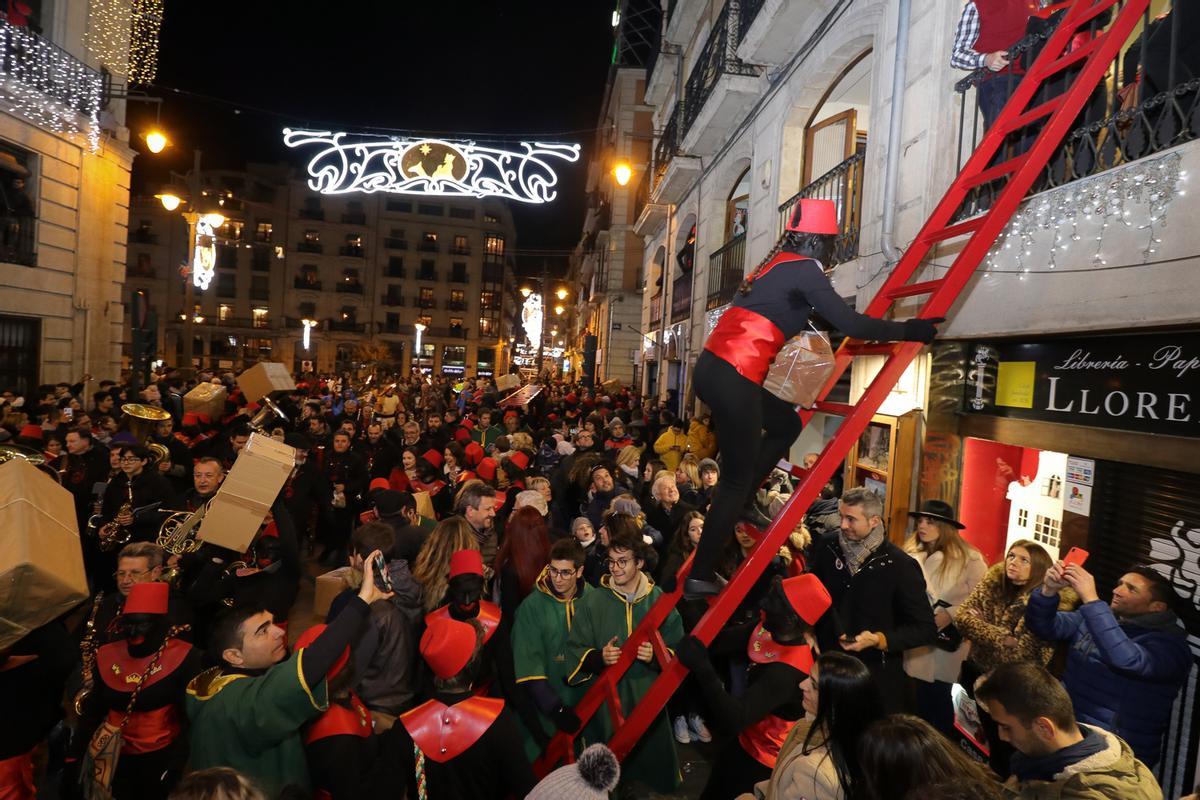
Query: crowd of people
{"x": 499, "y": 556}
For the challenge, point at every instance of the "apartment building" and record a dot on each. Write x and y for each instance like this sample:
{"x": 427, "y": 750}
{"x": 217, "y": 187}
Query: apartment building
{"x": 358, "y": 272}
{"x": 1059, "y": 402}
{"x": 64, "y": 182}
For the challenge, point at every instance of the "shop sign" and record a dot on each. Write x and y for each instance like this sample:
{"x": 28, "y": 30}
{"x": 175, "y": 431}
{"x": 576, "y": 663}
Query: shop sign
{"x": 1149, "y": 384}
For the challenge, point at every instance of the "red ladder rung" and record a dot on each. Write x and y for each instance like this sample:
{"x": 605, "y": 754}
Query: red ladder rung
{"x": 914, "y": 289}
{"x": 952, "y": 231}
{"x": 1090, "y": 14}
{"x": 827, "y": 407}
{"x": 614, "y": 702}
{"x": 1033, "y": 115}
{"x": 1073, "y": 57}
{"x": 661, "y": 652}
{"x": 999, "y": 171}
{"x": 869, "y": 349}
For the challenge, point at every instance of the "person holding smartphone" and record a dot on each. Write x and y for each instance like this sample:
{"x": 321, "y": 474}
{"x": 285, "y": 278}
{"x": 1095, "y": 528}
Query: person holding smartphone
{"x": 1127, "y": 658}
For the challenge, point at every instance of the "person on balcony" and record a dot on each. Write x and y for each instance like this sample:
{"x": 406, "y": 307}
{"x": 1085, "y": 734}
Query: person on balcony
{"x": 772, "y": 305}
{"x": 986, "y": 31}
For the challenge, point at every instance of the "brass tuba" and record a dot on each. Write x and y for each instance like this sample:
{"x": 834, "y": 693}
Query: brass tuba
{"x": 36, "y": 458}
{"x": 142, "y": 419}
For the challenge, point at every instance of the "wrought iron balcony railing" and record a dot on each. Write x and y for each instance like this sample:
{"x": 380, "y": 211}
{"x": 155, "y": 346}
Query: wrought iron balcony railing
{"x": 844, "y": 186}
{"x": 726, "y": 268}
{"x": 681, "y": 298}
{"x": 717, "y": 58}
{"x": 667, "y": 145}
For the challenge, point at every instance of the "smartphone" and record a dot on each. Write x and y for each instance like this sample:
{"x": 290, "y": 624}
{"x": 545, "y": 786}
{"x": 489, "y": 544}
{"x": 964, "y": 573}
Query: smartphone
{"x": 1076, "y": 556}
{"x": 382, "y": 579}
{"x": 68, "y": 413}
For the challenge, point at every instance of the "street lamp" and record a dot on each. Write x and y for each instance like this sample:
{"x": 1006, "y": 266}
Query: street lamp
{"x": 622, "y": 172}
{"x": 156, "y": 141}
{"x": 308, "y": 324}
{"x": 526, "y": 291}
{"x": 420, "y": 328}
{"x": 562, "y": 293}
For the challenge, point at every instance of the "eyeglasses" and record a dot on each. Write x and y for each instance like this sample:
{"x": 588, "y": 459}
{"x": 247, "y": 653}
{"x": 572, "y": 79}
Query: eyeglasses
{"x": 133, "y": 574}
{"x": 619, "y": 563}
{"x": 561, "y": 574}
{"x": 130, "y": 459}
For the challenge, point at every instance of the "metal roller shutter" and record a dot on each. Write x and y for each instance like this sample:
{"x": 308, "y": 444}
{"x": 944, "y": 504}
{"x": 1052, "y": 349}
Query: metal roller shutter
{"x": 1142, "y": 515}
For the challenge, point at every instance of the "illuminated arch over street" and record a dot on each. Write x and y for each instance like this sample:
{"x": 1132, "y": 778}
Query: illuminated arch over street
{"x": 345, "y": 164}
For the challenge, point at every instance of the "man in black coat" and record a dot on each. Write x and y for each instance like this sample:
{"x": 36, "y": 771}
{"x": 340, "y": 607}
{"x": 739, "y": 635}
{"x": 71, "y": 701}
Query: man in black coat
{"x": 879, "y": 602}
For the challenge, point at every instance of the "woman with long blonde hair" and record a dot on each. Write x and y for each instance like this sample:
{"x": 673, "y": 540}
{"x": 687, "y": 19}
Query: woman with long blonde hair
{"x": 432, "y": 567}
{"x": 952, "y": 567}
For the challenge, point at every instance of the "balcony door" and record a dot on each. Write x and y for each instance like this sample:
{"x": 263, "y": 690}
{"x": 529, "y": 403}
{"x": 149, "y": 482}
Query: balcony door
{"x": 20, "y": 348}
{"x": 838, "y": 127}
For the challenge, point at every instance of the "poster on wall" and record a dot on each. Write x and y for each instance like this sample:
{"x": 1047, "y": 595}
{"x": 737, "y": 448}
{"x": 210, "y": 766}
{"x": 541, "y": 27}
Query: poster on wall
{"x": 1078, "y": 499}
{"x": 1081, "y": 474}
{"x": 1142, "y": 383}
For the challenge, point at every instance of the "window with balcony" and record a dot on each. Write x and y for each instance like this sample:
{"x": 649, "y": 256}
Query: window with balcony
{"x": 349, "y": 314}
{"x": 429, "y": 242}
{"x": 308, "y": 278}
{"x": 226, "y": 283}
{"x": 399, "y": 206}
{"x": 488, "y": 300}
{"x": 460, "y": 246}
{"x": 493, "y": 245}
{"x": 351, "y": 281}
{"x": 353, "y": 246}
{"x": 143, "y": 233}
{"x": 425, "y": 299}
{"x": 258, "y": 317}
{"x": 226, "y": 257}
{"x": 260, "y": 287}
{"x": 307, "y": 310}
{"x": 233, "y": 229}
{"x": 354, "y": 214}
{"x": 142, "y": 267}
{"x": 491, "y": 219}
{"x": 312, "y": 209}
{"x": 425, "y": 319}
{"x": 458, "y": 300}
{"x": 311, "y": 243}
{"x": 456, "y": 328}
{"x": 458, "y": 272}
{"x": 487, "y": 326}
{"x": 428, "y": 272}
{"x": 396, "y": 240}
{"x": 395, "y": 267}
{"x": 393, "y": 296}
{"x": 391, "y": 323}
{"x": 263, "y": 232}
{"x": 737, "y": 207}
{"x": 224, "y": 312}
{"x": 429, "y": 209}
{"x": 462, "y": 213}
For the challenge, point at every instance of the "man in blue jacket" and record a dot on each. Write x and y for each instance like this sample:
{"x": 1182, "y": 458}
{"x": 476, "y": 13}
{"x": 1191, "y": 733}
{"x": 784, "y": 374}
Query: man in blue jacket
{"x": 1127, "y": 659}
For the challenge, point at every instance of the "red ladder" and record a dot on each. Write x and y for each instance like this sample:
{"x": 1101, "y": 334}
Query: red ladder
{"x": 1022, "y": 170}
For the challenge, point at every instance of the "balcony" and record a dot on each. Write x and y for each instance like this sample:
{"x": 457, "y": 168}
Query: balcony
{"x": 309, "y": 247}
{"x": 426, "y": 303}
{"x": 49, "y": 78}
{"x": 391, "y": 300}
{"x": 681, "y": 298}
{"x": 720, "y": 89}
{"x": 673, "y": 171}
{"x": 307, "y": 284}
{"x": 394, "y": 272}
{"x": 1146, "y": 106}
{"x": 261, "y": 260}
{"x": 726, "y": 268}
{"x": 262, "y": 237}
{"x": 317, "y": 214}
{"x": 354, "y": 218}
{"x": 142, "y": 236}
{"x": 427, "y": 275}
{"x": 352, "y": 251}
{"x": 260, "y": 294}
{"x": 346, "y": 326}
{"x": 767, "y": 28}
{"x": 464, "y": 250}
{"x": 459, "y": 277}
{"x": 392, "y": 243}
{"x": 456, "y": 305}
{"x": 844, "y": 186}
{"x": 144, "y": 272}
{"x": 428, "y": 247}
{"x": 656, "y": 309}
{"x": 348, "y": 287}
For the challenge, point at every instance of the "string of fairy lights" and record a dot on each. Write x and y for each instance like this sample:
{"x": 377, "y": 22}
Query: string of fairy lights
{"x": 123, "y": 36}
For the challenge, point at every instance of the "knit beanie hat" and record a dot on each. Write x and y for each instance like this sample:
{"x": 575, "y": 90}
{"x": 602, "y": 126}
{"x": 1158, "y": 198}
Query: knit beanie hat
{"x": 592, "y": 777}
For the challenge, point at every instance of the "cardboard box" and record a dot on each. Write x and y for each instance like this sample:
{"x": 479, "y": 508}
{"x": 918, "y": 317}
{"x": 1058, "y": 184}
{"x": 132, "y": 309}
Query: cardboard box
{"x": 425, "y": 504}
{"x": 236, "y": 512}
{"x": 206, "y": 398}
{"x": 506, "y": 383}
{"x": 329, "y": 586}
{"x": 41, "y": 560}
{"x": 263, "y": 378}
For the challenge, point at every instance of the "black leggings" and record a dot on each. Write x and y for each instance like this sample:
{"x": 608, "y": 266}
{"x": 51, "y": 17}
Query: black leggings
{"x": 756, "y": 429}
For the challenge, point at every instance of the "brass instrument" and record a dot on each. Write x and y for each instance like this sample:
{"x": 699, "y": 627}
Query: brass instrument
{"x": 268, "y": 413}
{"x": 87, "y": 654}
{"x": 96, "y": 519}
{"x": 36, "y": 458}
{"x": 113, "y": 534}
{"x": 177, "y": 535}
{"x": 142, "y": 419}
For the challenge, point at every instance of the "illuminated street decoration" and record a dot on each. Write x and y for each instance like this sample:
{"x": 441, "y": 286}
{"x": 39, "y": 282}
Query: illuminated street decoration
{"x": 204, "y": 262}
{"x": 531, "y": 319}
{"x": 431, "y": 166}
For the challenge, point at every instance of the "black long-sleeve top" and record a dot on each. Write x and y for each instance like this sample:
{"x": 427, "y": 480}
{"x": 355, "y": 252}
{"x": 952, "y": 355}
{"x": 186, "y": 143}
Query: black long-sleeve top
{"x": 31, "y": 687}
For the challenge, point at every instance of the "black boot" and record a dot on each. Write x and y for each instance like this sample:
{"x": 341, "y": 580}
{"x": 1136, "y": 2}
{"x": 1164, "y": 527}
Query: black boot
{"x": 755, "y": 514}
{"x": 697, "y": 589}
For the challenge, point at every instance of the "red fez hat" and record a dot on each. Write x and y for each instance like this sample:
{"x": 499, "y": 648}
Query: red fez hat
{"x": 462, "y": 435}
{"x": 379, "y": 483}
{"x": 147, "y": 598}
{"x": 310, "y": 636}
{"x": 190, "y": 418}
{"x": 474, "y": 453}
{"x": 511, "y": 413}
{"x": 447, "y": 645}
{"x": 551, "y": 417}
{"x": 469, "y": 424}
{"x": 486, "y": 469}
{"x": 814, "y": 216}
{"x": 808, "y": 596}
{"x": 466, "y": 562}
{"x": 31, "y": 431}
{"x": 520, "y": 459}
{"x": 570, "y": 398}
{"x": 433, "y": 457}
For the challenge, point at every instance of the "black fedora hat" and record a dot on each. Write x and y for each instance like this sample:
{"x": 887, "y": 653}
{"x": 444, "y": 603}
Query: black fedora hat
{"x": 939, "y": 510}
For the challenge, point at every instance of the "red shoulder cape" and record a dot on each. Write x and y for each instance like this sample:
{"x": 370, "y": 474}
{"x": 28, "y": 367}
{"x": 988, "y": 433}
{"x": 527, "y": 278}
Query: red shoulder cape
{"x": 444, "y": 732}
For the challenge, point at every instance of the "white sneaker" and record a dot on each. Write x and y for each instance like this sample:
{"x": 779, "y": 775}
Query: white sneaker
{"x": 696, "y": 728}
{"x": 681, "y": 731}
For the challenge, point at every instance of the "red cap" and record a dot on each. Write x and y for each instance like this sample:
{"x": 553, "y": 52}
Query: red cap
{"x": 466, "y": 562}
{"x": 31, "y": 431}
{"x": 190, "y": 418}
{"x": 814, "y": 216}
{"x": 520, "y": 459}
{"x": 379, "y": 483}
{"x": 511, "y": 413}
{"x": 462, "y": 435}
{"x": 570, "y": 398}
{"x": 447, "y": 645}
{"x": 147, "y": 598}
{"x": 310, "y": 636}
{"x": 808, "y": 596}
{"x": 469, "y": 424}
{"x": 486, "y": 469}
{"x": 433, "y": 457}
{"x": 474, "y": 453}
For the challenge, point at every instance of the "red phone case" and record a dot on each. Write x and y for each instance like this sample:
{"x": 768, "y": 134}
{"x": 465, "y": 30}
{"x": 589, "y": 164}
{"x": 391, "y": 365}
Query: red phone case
{"x": 1076, "y": 556}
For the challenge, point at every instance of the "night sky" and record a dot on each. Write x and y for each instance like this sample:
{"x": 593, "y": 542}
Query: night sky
{"x": 448, "y": 67}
